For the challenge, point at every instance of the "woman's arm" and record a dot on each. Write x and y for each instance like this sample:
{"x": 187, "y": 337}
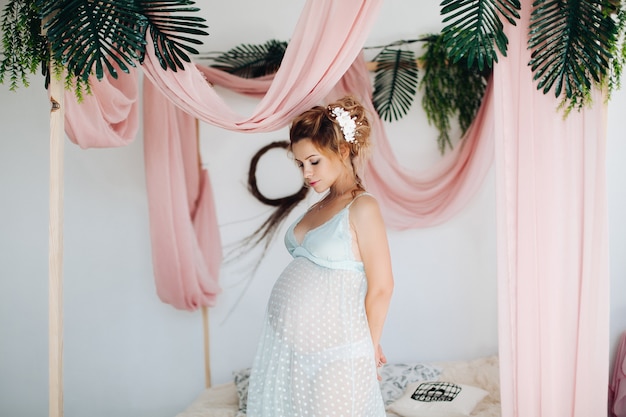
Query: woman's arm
{"x": 371, "y": 235}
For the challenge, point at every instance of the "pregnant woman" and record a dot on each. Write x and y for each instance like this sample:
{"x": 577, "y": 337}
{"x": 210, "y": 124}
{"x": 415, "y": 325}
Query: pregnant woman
{"x": 320, "y": 346}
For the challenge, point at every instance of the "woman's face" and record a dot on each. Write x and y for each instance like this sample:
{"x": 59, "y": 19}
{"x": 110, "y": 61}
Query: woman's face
{"x": 320, "y": 169}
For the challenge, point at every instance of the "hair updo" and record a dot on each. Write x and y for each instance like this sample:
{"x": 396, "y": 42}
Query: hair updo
{"x": 321, "y": 126}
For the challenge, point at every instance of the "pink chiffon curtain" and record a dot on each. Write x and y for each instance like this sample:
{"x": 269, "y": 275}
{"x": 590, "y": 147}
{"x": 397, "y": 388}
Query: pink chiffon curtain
{"x": 186, "y": 246}
{"x": 550, "y": 179}
{"x": 109, "y": 117}
{"x": 552, "y": 246}
{"x": 327, "y": 39}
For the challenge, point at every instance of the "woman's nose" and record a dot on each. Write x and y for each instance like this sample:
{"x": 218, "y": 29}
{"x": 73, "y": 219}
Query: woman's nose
{"x": 306, "y": 171}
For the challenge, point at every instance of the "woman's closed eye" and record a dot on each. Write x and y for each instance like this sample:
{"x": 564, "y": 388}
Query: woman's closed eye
{"x": 301, "y": 165}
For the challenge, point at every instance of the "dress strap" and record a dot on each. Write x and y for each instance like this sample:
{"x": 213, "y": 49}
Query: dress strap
{"x": 354, "y": 199}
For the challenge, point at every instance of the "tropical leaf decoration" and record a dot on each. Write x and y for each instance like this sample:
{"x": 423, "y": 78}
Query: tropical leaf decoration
{"x": 475, "y": 30}
{"x": 172, "y": 33}
{"x": 100, "y": 35}
{"x": 618, "y": 52}
{"x": 24, "y": 46}
{"x": 571, "y": 44}
{"x": 395, "y": 83}
{"x": 450, "y": 90}
{"x": 252, "y": 61}
{"x": 88, "y": 37}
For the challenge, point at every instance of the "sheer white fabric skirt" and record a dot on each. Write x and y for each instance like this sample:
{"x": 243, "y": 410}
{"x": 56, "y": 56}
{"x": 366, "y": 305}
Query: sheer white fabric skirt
{"x": 315, "y": 357}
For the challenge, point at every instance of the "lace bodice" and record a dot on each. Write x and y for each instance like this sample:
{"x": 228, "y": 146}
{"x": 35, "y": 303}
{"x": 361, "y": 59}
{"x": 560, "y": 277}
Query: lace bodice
{"x": 329, "y": 244}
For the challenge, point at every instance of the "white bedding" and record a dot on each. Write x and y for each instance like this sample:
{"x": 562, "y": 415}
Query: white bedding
{"x": 222, "y": 401}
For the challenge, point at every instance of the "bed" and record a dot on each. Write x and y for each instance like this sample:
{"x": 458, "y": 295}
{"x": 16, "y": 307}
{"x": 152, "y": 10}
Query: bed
{"x": 475, "y": 384}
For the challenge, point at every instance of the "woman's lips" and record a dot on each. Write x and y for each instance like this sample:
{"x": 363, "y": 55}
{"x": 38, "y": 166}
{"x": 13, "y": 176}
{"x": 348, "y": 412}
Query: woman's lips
{"x": 312, "y": 183}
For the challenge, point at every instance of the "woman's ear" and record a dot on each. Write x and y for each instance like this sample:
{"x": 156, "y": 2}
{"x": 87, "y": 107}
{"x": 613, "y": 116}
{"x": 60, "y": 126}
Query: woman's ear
{"x": 344, "y": 151}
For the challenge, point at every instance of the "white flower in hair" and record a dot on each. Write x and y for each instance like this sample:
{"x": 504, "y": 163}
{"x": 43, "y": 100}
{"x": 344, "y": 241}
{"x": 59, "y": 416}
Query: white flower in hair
{"x": 347, "y": 123}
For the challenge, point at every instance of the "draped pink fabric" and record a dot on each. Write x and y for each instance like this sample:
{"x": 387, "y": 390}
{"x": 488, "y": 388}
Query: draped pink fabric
{"x": 328, "y": 37}
{"x": 186, "y": 254}
{"x": 552, "y": 246}
{"x": 108, "y": 117}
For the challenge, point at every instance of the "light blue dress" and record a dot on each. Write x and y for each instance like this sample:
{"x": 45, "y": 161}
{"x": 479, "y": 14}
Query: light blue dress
{"x": 315, "y": 357}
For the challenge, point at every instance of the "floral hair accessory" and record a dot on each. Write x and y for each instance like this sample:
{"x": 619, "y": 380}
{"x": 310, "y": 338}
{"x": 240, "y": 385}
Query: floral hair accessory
{"x": 347, "y": 123}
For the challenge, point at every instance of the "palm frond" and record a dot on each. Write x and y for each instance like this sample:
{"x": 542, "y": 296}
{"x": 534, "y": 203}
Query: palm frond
{"x": 475, "y": 29}
{"x": 450, "y": 89}
{"x": 111, "y": 35}
{"x": 251, "y": 61}
{"x": 172, "y": 34}
{"x": 395, "y": 83}
{"x": 571, "y": 46}
{"x": 86, "y": 36}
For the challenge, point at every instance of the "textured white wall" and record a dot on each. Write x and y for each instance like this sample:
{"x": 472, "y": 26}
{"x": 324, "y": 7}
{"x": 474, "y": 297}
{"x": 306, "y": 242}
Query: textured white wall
{"x": 128, "y": 354}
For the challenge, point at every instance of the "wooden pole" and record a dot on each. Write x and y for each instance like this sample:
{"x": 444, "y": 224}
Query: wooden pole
{"x": 55, "y": 248}
{"x": 207, "y": 347}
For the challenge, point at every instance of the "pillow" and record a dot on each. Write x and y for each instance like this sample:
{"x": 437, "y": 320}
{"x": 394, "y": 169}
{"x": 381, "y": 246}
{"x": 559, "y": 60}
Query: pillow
{"x": 241, "y": 378}
{"x": 395, "y": 377}
{"x": 437, "y": 399}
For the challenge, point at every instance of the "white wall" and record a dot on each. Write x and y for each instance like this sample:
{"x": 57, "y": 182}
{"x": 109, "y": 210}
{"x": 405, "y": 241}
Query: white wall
{"x": 128, "y": 354}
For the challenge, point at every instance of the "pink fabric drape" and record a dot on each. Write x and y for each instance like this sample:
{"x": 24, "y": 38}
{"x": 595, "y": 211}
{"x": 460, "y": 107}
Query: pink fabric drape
{"x": 186, "y": 245}
{"x": 552, "y": 246}
{"x": 328, "y": 37}
{"x": 109, "y": 117}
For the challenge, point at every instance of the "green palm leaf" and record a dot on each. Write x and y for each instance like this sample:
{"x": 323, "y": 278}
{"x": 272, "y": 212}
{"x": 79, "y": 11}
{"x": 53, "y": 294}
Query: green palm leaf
{"x": 571, "y": 44}
{"x": 476, "y": 29}
{"x": 251, "y": 61}
{"x": 101, "y": 34}
{"x": 395, "y": 83}
{"x": 111, "y": 34}
{"x": 166, "y": 27}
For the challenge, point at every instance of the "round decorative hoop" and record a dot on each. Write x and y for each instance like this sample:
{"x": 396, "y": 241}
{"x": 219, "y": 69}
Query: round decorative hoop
{"x": 252, "y": 182}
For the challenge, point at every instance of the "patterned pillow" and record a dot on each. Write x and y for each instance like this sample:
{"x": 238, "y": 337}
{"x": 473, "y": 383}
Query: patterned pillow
{"x": 396, "y": 376}
{"x": 241, "y": 378}
{"x": 437, "y": 399}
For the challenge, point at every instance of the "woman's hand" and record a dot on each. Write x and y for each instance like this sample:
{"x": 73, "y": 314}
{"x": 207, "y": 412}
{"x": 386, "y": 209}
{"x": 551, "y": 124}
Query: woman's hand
{"x": 379, "y": 358}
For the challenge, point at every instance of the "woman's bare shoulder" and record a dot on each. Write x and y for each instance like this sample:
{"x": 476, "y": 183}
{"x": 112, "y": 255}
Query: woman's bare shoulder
{"x": 364, "y": 207}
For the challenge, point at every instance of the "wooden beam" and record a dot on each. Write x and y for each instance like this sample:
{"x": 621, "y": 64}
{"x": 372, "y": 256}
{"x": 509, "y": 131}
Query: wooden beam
{"x": 55, "y": 247}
